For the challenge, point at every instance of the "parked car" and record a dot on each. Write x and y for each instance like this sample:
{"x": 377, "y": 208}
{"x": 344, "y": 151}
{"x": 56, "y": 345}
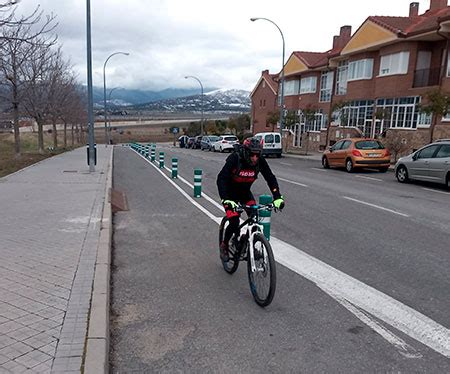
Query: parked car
{"x": 271, "y": 143}
{"x": 208, "y": 141}
{"x": 225, "y": 143}
{"x": 352, "y": 153}
{"x": 430, "y": 163}
{"x": 197, "y": 142}
{"x": 183, "y": 139}
{"x": 190, "y": 142}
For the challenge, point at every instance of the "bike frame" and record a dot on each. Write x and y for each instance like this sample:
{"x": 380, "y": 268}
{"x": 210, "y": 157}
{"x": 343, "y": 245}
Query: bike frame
{"x": 252, "y": 227}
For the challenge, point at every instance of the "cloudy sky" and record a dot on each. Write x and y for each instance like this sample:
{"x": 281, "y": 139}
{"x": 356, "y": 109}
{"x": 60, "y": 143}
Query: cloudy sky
{"x": 210, "y": 39}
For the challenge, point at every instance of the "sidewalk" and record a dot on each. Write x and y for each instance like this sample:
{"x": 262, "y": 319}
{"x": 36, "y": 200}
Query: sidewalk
{"x": 54, "y": 239}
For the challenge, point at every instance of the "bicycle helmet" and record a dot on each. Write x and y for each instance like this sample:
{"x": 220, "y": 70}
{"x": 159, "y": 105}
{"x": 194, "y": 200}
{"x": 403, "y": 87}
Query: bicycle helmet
{"x": 251, "y": 146}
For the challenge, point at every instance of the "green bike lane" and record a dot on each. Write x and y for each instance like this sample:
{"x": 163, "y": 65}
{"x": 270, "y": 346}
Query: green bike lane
{"x": 175, "y": 309}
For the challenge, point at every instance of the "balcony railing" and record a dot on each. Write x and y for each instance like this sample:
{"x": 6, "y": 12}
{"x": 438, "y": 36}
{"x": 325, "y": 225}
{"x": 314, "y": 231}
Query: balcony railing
{"x": 426, "y": 77}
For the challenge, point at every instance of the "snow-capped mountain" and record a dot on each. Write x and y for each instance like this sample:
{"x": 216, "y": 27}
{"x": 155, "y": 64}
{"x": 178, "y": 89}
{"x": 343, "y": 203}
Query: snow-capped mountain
{"x": 222, "y": 100}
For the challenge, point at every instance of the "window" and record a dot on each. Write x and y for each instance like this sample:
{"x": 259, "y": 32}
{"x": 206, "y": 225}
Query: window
{"x": 326, "y": 85}
{"x": 264, "y": 84}
{"x": 424, "y": 120}
{"x": 341, "y": 78}
{"x": 396, "y": 63}
{"x": 313, "y": 121}
{"x": 268, "y": 138}
{"x": 361, "y": 69}
{"x": 346, "y": 144}
{"x": 338, "y": 145}
{"x": 401, "y": 112}
{"x": 428, "y": 152}
{"x": 368, "y": 144}
{"x": 308, "y": 85}
{"x": 444, "y": 151}
{"x": 291, "y": 87}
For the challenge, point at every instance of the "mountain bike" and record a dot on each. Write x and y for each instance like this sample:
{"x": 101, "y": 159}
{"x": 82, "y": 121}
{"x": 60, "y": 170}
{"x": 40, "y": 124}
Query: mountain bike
{"x": 249, "y": 244}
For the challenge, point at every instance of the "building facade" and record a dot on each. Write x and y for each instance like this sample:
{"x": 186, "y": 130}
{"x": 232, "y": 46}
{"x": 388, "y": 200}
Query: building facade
{"x": 374, "y": 83}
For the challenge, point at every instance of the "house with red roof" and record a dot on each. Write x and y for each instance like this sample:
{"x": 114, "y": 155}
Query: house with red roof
{"x": 372, "y": 83}
{"x": 264, "y": 103}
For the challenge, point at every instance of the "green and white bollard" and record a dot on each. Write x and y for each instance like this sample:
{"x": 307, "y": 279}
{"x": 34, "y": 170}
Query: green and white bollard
{"x": 146, "y": 151}
{"x": 174, "y": 168}
{"x": 161, "y": 160}
{"x": 198, "y": 183}
{"x": 264, "y": 215}
{"x": 152, "y": 155}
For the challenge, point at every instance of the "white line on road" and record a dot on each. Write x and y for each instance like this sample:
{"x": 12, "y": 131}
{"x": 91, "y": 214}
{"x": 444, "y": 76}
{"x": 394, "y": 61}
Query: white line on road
{"x": 437, "y": 191}
{"x": 376, "y": 206}
{"x": 319, "y": 169}
{"x": 285, "y": 163}
{"x": 352, "y": 293}
{"x": 404, "y": 348}
{"x": 288, "y": 181}
{"x": 369, "y": 178}
{"x": 378, "y": 304}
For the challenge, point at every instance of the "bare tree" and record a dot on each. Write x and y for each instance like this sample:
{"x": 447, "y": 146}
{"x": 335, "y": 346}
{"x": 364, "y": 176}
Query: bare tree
{"x": 22, "y": 39}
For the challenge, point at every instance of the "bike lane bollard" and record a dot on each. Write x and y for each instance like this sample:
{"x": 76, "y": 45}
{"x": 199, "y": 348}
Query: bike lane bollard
{"x": 264, "y": 215}
{"x": 198, "y": 183}
{"x": 161, "y": 160}
{"x": 152, "y": 155}
{"x": 174, "y": 168}
{"x": 146, "y": 151}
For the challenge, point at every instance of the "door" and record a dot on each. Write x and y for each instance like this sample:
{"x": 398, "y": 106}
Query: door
{"x": 440, "y": 164}
{"x": 420, "y": 166}
{"x": 333, "y": 156}
{"x": 341, "y": 154}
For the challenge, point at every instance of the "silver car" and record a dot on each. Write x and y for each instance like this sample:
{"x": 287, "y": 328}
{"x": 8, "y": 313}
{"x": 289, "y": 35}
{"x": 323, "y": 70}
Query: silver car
{"x": 430, "y": 163}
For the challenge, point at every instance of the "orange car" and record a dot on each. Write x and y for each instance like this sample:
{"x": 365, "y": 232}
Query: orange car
{"x": 354, "y": 153}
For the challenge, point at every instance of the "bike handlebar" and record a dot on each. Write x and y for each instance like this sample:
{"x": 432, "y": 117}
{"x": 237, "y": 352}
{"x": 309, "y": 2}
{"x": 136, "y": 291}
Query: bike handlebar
{"x": 242, "y": 207}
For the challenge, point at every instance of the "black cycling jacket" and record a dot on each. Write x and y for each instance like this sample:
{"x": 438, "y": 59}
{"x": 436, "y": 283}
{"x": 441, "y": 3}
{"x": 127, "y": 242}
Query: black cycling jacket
{"x": 236, "y": 178}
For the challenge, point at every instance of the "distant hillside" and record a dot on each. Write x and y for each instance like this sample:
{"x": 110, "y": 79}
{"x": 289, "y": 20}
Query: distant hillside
{"x": 122, "y": 96}
{"x": 217, "y": 101}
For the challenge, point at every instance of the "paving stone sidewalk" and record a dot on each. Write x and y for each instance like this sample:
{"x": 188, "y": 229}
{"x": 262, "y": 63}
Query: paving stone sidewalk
{"x": 49, "y": 233}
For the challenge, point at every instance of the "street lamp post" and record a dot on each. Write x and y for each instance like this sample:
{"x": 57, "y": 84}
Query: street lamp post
{"x": 109, "y": 100}
{"x": 91, "y": 150}
{"x": 201, "y": 86}
{"x": 282, "y": 73}
{"x": 104, "y": 93}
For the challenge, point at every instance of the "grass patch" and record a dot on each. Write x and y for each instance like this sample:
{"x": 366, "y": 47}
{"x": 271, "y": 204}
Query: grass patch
{"x": 29, "y": 149}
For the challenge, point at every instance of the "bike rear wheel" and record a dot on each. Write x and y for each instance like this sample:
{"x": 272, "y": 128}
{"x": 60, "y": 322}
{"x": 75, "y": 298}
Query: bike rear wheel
{"x": 232, "y": 264}
{"x": 263, "y": 278}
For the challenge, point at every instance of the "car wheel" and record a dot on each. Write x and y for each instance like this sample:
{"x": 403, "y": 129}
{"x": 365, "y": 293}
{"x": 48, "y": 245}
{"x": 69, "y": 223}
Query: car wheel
{"x": 402, "y": 174}
{"x": 349, "y": 165}
{"x": 325, "y": 163}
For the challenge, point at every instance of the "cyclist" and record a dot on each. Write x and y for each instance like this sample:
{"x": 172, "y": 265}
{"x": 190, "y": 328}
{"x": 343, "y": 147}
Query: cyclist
{"x": 235, "y": 180}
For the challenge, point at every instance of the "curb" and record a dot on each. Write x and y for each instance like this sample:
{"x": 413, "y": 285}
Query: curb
{"x": 97, "y": 342}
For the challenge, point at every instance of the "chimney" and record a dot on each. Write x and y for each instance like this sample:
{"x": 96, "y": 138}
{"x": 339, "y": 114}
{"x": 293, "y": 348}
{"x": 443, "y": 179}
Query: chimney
{"x": 346, "y": 33}
{"x": 437, "y": 4}
{"x": 265, "y": 72}
{"x": 335, "y": 41}
{"x": 413, "y": 9}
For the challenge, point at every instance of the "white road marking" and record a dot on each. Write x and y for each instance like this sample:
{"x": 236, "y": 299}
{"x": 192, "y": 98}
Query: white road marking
{"x": 369, "y": 178}
{"x": 404, "y": 348}
{"x": 355, "y": 295}
{"x": 375, "y": 206}
{"x": 319, "y": 169}
{"x": 288, "y": 181}
{"x": 437, "y": 191}
{"x": 381, "y": 306}
{"x": 285, "y": 163}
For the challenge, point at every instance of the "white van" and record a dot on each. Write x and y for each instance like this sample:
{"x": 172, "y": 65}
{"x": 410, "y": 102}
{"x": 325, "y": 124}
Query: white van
{"x": 271, "y": 142}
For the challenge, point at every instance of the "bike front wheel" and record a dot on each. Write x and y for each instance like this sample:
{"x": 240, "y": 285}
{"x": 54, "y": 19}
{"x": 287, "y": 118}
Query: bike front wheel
{"x": 262, "y": 277}
{"x": 232, "y": 264}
